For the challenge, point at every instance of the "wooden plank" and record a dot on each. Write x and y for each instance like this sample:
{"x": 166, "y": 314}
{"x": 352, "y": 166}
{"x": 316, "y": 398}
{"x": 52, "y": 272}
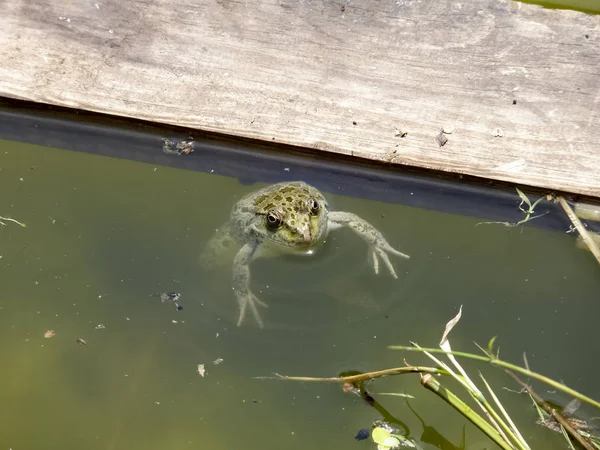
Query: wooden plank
{"x": 333, "y": 76}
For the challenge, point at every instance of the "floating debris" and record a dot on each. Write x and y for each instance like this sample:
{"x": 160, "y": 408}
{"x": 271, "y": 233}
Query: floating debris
{"x": 49, "y": 334}
{"x": 441, "y": 139}
{"x": 166, "y": 297}
{"x": 400, "y": 133}
{"x": 178, "y": 148}
{"x": 100, "y": 326}
{"x": 363, "y": 434}
{"x": 217, "y": 361}
{"x": 384, "y": 439}
{"x": 552, "y": 424}
{"x": 201, "y": 370}
{"x": 170, "y": 297}
{"x": 570, "y": 409}
{"x": 388, "y": 438}
{"x": 498, "y": 132}
{"x": 349, "y": 387}
{"x": 81, "y": 341}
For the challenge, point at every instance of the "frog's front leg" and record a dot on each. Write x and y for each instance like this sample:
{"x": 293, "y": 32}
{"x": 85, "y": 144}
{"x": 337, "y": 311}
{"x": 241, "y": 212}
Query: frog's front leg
{"x": 378, "y": 246}
{"x": 241, "y": 282}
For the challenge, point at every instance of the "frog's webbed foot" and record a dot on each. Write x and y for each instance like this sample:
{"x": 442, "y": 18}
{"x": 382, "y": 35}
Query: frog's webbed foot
{"x": 248, "y": 299}
{"x": 377, "y": 252}
{"x": 241, "y": 283}
{"x": 378, "y": 246}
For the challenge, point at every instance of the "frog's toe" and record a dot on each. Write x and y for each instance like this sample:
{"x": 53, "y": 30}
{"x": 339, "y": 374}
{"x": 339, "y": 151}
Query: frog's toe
{"x": 256, "y": 313}
{"x": 385, "y": 247}
{"x": 386, "y": 260}
{"x": 260, "y": 302}
{"x": 242, "y": 304}
{"x": 397, "y": 253}
{"x": 374, "y": 260}
{"x": 375, "y": 254}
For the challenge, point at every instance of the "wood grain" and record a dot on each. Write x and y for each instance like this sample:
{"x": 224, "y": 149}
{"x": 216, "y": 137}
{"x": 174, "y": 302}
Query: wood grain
{"x": 306, "y": 73}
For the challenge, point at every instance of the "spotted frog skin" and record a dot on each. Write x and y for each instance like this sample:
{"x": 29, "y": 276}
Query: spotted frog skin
{"x": 290, "y": 217}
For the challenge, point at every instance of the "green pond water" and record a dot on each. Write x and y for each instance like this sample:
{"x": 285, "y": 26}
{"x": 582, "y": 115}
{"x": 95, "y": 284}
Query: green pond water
{"x": 104, "y": 235}
{"x": 588, "y": 6}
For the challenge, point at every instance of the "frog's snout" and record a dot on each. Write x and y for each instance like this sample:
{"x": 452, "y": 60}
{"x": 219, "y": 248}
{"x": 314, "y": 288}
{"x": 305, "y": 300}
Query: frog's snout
{"x": 307, "y": 236}
{"x": 303, "y": 235}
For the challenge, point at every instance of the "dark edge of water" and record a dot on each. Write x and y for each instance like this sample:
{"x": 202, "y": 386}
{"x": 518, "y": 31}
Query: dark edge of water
{"x": 251, "y": 161}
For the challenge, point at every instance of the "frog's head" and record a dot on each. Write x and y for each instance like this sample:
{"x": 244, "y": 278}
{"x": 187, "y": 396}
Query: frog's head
{"x": 291, "y": 215}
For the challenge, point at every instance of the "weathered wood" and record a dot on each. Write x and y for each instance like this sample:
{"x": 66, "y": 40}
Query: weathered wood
{"x": 338, "y": 76}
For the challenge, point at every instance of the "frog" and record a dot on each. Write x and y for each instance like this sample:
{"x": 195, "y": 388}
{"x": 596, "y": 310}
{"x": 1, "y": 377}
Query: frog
{"x": 284, "y": 218}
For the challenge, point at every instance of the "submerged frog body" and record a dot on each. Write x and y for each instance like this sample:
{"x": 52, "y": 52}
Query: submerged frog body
{"x": 288, "y": 217}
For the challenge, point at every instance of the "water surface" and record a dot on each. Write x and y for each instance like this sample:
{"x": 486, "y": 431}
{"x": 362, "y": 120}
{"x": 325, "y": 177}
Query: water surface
{"x": 104, "y": 235}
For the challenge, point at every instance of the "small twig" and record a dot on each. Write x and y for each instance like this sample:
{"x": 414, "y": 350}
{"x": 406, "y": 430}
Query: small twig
{"x": 529, "y": 218}
{"x": 363, "y": 376}
{"x": 506, "y": 224}
{"x": 580, "y": 228}
{"x": 552, "y": 412}
{"x": 8, "y": 219}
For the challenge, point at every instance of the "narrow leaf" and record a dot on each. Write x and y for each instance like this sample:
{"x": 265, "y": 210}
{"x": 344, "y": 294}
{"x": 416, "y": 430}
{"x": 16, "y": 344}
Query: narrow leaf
{"x": 567, "y": 438}
{"x": 394, "y": 394}
{"x": 513, "y": 427}
{"x": 524, "y": 197}
{"x": 491, "y": 346}
{"x": 536, "y": 202}
{"x": 444, "y": 342}
{"x": 541, "y": 413}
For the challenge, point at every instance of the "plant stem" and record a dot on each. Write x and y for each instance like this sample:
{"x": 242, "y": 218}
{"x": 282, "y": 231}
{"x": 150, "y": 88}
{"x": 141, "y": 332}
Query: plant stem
{"x": 498, "y": 362}
{"x": 363, "y": 376}
{"x": 434, "y": 386}
{"x": 580, "y": 228}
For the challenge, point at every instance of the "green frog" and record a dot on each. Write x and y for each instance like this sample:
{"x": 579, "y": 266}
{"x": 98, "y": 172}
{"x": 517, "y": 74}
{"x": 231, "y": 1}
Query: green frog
{"x": 289, "y": 217}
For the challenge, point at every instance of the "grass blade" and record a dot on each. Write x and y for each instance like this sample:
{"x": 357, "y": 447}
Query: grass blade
{"x": 524, "y": 198}
{"x": 512, "y": 429}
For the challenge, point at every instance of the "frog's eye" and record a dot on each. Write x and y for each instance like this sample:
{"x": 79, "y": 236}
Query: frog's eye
{"x": 273, "y": 220}
{"x": 314, "y": 206}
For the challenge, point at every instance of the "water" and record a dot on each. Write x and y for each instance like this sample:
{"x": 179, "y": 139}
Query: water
{"x": 104, "y": 235}
{"x": 588, "y": 6}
